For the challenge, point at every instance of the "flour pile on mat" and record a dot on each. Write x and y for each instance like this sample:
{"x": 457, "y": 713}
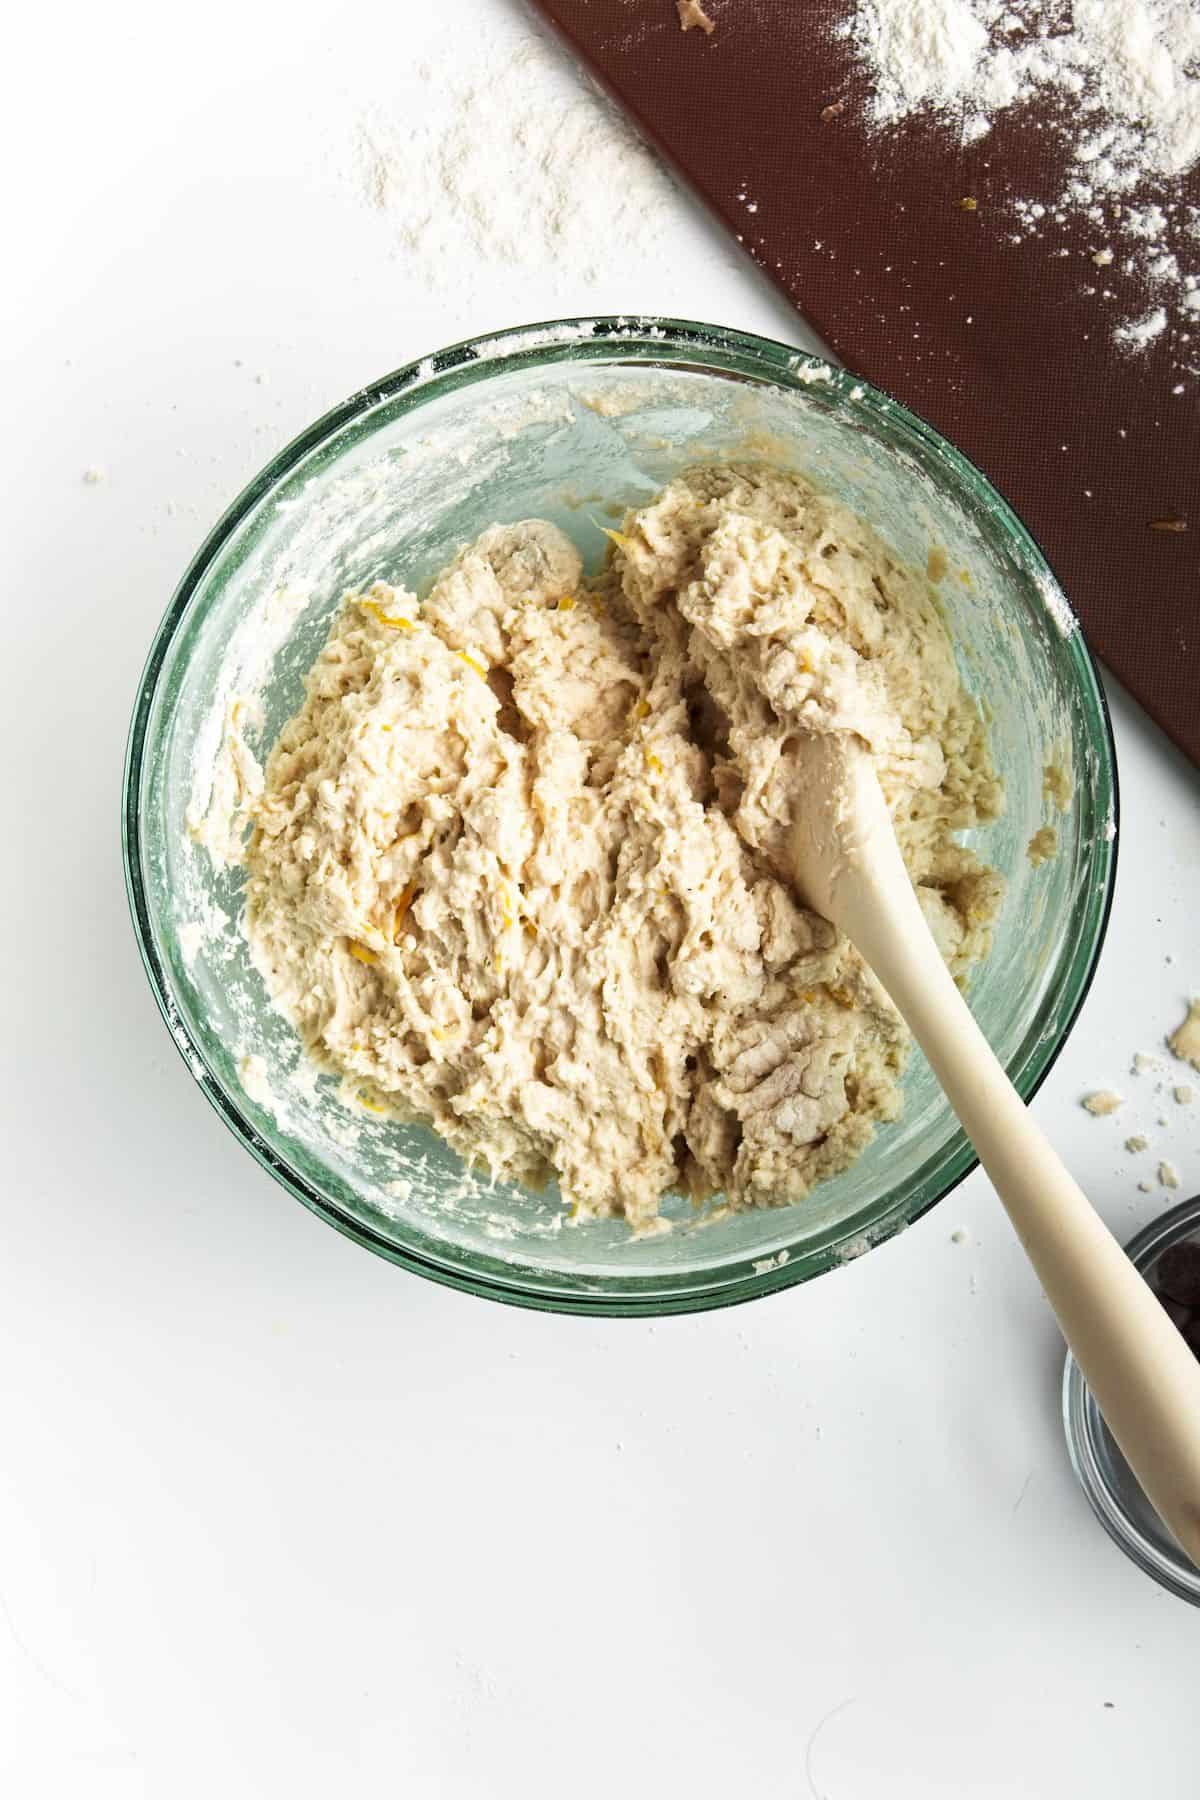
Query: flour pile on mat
{"x": 1119, "y": 79}
{"x": 517, "y": 864}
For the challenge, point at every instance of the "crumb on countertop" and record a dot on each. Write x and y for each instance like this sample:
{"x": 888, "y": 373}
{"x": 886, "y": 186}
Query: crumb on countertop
{"x": 1142, "y": 1064}
{"x": 1101, "y": 1103}
{"x": 1137, "y": 1143}
{"x": 1183, "y": 1095}
{"x": 1184, "y": 1042}
{"x": 1168, "y": 1175}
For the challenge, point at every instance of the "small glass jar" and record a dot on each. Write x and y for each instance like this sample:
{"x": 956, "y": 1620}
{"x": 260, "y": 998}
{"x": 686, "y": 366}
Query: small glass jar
{"x": 1115, "y": 1497}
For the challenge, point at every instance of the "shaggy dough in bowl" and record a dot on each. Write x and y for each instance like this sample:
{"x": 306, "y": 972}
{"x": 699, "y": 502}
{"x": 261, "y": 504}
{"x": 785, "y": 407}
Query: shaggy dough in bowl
{"x": 516, "y": 863}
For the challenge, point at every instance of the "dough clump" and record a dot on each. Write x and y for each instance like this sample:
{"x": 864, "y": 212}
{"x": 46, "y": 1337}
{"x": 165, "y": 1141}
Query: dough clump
{"x": 517, "y": 867}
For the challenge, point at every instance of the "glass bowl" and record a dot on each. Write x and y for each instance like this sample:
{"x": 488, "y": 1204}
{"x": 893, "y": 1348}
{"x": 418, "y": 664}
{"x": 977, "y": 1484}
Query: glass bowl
{"x": 1104, "y": 1475}
{"x": 563, "y": 421}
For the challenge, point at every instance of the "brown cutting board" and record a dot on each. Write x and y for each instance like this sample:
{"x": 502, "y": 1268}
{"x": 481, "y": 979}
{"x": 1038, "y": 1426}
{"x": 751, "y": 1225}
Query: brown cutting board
{"x": 995, "y": 342}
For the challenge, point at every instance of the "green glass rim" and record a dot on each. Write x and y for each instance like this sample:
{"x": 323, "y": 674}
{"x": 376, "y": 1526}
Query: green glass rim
{"x": 687, "y": 347}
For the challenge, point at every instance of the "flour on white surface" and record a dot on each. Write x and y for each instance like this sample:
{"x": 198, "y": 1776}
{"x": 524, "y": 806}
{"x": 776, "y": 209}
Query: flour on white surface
{"x": 1185, "y": 1041}
{"x": 556, "y": 178}
{"x": 1119, "y": 78}
{"x": 1128, "y": 71}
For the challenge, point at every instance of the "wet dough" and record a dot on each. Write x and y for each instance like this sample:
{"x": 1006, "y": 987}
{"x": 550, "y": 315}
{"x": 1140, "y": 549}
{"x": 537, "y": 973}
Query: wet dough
{"x": 516, "y": 866}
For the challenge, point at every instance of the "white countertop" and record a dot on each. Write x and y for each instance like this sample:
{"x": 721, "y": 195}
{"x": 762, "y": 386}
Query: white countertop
{"x": 277, "y": 1518}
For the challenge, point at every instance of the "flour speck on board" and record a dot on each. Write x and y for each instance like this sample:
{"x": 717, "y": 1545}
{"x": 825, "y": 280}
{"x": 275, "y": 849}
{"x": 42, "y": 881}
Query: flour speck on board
{"x": 554, "y": 180}
{"x": 1117, "y": 80}
{"x": 1138, "y": 332}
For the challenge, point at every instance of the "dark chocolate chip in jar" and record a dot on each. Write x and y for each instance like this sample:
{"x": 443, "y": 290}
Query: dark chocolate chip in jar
{"x": 1177, "y": 1274}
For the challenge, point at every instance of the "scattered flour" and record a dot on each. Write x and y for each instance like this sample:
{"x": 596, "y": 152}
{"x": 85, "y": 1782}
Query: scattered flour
{"x": 554, "y": 181}
{"x": 1118, "y": 80}
{"x": 1139, "y": 332}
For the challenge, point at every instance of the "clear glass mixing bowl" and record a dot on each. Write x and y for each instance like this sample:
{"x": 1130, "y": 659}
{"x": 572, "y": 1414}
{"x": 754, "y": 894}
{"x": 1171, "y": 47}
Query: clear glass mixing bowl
{"x": 562, "y": 421}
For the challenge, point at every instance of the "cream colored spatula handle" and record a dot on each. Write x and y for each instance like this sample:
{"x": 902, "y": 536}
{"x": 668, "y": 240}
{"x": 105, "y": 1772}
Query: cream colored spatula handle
{"x": 1145, "y": 1379}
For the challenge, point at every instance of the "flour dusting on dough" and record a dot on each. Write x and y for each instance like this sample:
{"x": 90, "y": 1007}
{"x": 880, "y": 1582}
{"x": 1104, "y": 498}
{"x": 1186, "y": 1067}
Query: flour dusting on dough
{"x": 517, "y": 867}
